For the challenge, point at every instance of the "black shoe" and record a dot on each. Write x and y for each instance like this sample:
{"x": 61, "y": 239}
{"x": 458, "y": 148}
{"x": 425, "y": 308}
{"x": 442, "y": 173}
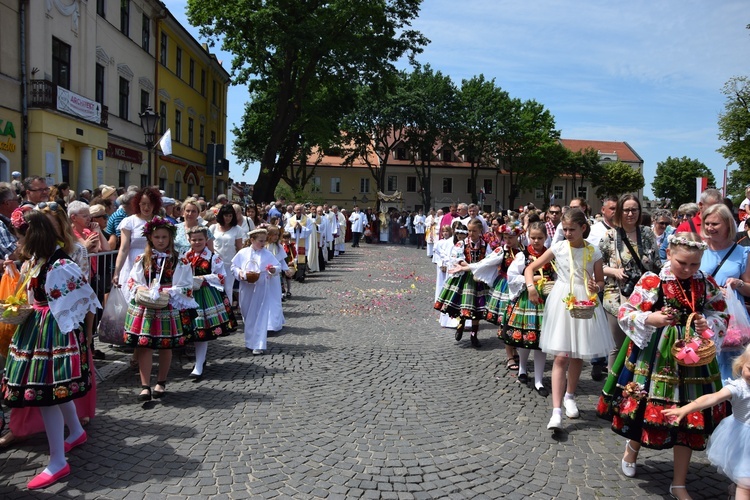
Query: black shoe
{"x": 459, "y": 333}
{"x": 145, "y": 396}
{"x": 475, "y": 341}
{"x": 160, "y": 394}
{"x": 523, "y": 378}
{"x": 99, "y": 354}
{"x": 542, "y": 391}
{"x": 598, "y": 372}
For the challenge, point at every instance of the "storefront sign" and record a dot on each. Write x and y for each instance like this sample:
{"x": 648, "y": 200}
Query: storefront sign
{"x": 75, "y": 104}
{"x": 123, "y": 153}
{"x": 7, "y": 134}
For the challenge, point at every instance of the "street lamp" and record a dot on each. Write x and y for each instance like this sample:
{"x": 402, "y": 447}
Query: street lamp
{"x": 149, "y": 121}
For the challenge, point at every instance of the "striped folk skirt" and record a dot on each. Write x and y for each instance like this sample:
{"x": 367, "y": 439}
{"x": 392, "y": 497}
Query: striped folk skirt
{"x": 463, "y": 297}
{"x": 214, "y": 315}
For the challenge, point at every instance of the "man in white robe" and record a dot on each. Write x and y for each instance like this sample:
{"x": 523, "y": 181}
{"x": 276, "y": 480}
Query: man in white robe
{"x": 339, "y": 237}
{"x": 300, "y": 226}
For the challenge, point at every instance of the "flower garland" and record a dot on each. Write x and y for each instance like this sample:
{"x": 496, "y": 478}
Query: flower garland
{"x": 674, "y": 239}
{"x": 158, "y": 223}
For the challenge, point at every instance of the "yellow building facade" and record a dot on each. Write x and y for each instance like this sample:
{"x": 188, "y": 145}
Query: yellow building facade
{"x": 192, "y": 102}
{"x": 11, "y": 124}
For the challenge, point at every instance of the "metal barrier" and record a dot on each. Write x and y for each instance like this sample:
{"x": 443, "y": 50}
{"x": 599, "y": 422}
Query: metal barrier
{"x": 101, "y": 280}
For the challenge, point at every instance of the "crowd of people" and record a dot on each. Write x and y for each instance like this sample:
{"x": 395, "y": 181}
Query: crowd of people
{"x": 640, "y": 296}
{"x": 645, "y": 298}
{"x": 187, "y": 270}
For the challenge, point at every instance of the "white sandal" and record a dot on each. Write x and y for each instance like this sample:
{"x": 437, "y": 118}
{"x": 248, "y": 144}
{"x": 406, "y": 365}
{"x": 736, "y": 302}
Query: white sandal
{"x": 673, "y": 487}
{"x": 628, "y": 468}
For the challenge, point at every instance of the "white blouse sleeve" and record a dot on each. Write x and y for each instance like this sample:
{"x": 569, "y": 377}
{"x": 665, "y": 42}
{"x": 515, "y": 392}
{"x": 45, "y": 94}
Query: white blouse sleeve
{"x": 69, "y": 296}
{"x": 486, "y": 269}
{"x": 516, "y": 279}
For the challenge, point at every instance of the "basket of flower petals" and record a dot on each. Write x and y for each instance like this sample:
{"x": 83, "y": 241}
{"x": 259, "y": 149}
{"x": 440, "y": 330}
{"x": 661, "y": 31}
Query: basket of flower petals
{"x": 581, "y": 309}
{"x": 694, "y": 349}
{"x": 15, "y": 310}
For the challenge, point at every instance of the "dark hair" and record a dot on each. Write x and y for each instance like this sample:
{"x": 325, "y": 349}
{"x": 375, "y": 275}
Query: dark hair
{"x": 609, "y": 198}
{"x": 40, "y": 240}
{"x": 617, "y": 220}
{"x": 538, "y": 226}
{"x": 532, "y": 218}
{"x": 224, "y": 210}
{"x": 153, "y": 195}
{"x": 576, "y": 216}
{"x": 28, "y": 180}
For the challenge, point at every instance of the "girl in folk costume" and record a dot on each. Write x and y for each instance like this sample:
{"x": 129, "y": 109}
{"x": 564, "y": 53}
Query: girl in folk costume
{"x": 291, "y": 261}
{"x": 462, "y": 296}
{"x": 499, "y": 299}
{"x": 493, "y": 237}
{"x": 214, "y": 313}
{"x": 523, "y": 320}
{"x": 649, "y": 377}
{"x": 48, "y": 363}
{"x": 255, "y": 267}
{"x": 164, "y": 323}
{"x": 441, "y": 256}
{"x": 275, "y": 312}
{"x": 568, "y": 337}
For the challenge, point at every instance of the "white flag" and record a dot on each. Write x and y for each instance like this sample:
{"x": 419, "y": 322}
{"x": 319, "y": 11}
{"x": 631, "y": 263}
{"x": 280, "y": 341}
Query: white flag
{"x": 165, "y": 143}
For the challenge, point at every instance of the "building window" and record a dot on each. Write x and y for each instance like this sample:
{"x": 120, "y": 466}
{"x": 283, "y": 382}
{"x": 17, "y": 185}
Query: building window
{"x": 392, "y": 182}
{"x": 559, "y": 192}
{"x": 125, "y": 17}
{"x": 214, "y": 91}
{"x": 411, "y": 184}
{"x": 145, "y": 100}
{"x": 191, "y": 76}
{"x": 146, "y": 33}
{"x": 487, "y": 185}
{"x": 122, "y": 178}
{"x": 178, "y": 67}
{"x": 144, "y": 180}
{"x": 177, "y": 189}
{"x": 99, "y": 85}
{"x": 213, "y": 137}
{"x": 163, "y": 49}
{"x": 446, "y": 155}
{"x": 203, "y": 82}
{"x": 190, "y": 132}
{"x": 60, "y": 63}
{"x": 315, "y": 184}
{"x": 335, "y": 184}
{"x": 201, "y": 137}
{"x": 162, "y": 184}
{"x": 364, "y": 185}
{"x": 539, "y": 194}
{"x": 583, "y": 192}
{"x": 100, "y": 11}
{"x": 124, "y": 98}
{"x": 447, "y": 185}
{"x": 178, "y": 125}
{"x": 470, "y": 185}
{"x": 401, "y": 153}
{"x": 163, "y": 120}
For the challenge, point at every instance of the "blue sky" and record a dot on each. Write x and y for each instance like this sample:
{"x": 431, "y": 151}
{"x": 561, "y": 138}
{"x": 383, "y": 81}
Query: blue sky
{"x": 648, "y": 73}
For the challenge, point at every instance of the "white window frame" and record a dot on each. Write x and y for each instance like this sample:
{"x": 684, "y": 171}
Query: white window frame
{"x": 559, "y": 192}
{"x": 315, "y": 184}
{"x": 335, "y": 184}
{"x": 443, "y": 185}
{"x": 364, "y": 185}
{"x": 585, "y": 190}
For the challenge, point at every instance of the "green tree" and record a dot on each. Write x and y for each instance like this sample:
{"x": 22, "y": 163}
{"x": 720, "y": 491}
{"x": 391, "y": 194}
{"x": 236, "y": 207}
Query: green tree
{"x": 476, "y": 133}
{"x": 292, "y": 53}
{"x": 619, "y": 178}
{"x": 554, "y": 159}
{"x": 675, "y": 179}
{"x": 430, "y": 109}
{"x": 734, "y": 130}
{"x": 525, "y": 131}
{"x": 584, "y": 164}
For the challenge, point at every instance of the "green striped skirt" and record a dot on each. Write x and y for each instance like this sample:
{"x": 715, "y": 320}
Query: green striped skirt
{"x": 463, "y": 297}
{"x": 158, "y": 328}
{"x": 215, "y": 317}
{"x": 522, "y": 323}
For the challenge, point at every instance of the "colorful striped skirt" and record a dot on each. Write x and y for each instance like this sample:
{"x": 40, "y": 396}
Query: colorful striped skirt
{"x": 45, "y": 366}
{"x": 158, "y": 328}
{"x": 643, "y": 382}
{"x": 497, "y": 303}
{"x": 215, "y": 317}
{"x": 463, "y": 297}
{"x": 522, "y": 323}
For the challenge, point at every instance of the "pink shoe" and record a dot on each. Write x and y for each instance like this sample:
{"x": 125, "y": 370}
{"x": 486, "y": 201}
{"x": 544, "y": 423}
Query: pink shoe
{"x": 78, "y": 442}
{"x": 44, "y": 479}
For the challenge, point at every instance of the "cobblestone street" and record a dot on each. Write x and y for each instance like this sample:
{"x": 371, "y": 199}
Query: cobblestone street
{"x": 362, "y": 395}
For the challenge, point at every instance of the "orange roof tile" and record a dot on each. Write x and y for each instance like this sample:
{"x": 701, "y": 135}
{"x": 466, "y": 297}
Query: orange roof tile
{"x": 623, "y": 149}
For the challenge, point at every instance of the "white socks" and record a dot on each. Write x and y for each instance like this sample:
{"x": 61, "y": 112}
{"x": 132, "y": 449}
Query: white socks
{"x": 201, "y": 348}
{"x": 569, "y": 396}
{"x": 54, "y": 426}
{"x": 557, "y": 411}
{"x": 70, "y": 416}
{"x": 523, "y": 360}
{"x": 539, "y": 360}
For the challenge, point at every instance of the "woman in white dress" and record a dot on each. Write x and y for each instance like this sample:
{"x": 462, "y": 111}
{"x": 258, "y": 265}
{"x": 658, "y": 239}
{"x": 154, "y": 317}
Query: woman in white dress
{"x": 276, "y": 297}
{"x": 145, "y": 204}
{"x": 442, "y": 258}
{"x": 254, "y": 266}
{"x": 228, "y": 239}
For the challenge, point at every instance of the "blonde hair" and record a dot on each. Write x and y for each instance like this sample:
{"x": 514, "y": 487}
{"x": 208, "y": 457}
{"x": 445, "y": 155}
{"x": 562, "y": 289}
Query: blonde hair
{"x": 67, "y": 237}
{"x": 740, "y": 360}
{"x": 726, "y": 217}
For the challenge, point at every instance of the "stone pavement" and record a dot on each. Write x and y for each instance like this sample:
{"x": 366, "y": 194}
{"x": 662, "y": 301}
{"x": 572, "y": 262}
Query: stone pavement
{"x": 362, "y": 395}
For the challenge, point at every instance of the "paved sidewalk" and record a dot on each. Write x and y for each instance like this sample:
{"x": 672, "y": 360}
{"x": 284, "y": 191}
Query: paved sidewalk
{"x": 362, "y": 395}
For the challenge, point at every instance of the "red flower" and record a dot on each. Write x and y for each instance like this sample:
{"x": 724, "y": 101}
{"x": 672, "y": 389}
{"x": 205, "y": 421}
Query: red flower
{"x": 628, "y": 405}
{"x": 653, "y": 414}
{"x": 531, "y": 337}
{"x": 636, "y": 299}
{"x": 695, "y": 420}
{"x": 55, "y": 293}
{"x": 617, "y": 422}
{"x": 166, "y": 342}
{"x": 71, "y": 285}
{"x": 719, "y": 305}
{"x": 650, "y": 282}
{"x": 517, "y": 335}
{"x": 646, "y": 306}
{"x": 204, "y": 264}
{"x": 656, "y": 437}
{"x": 602, "y": 408}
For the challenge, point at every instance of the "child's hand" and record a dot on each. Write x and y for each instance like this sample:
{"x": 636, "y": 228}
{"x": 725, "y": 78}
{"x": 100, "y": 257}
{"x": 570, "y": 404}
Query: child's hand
{"x": 593, "y": 287}
{"x": 534, "y": 295}
{"x": 674, "y": 414}
{"x": 658, "y": 319}
{"x": 700, "y": 324}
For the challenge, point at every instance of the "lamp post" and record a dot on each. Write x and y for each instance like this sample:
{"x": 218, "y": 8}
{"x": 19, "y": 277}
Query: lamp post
{"x": 149, "y": 121}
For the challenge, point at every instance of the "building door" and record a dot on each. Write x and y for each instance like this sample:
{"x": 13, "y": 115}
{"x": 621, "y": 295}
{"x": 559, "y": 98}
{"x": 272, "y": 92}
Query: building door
{"x": 65, "y": 164}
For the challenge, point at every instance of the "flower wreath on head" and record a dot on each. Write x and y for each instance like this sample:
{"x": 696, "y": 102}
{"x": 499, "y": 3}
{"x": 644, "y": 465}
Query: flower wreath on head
{"x": 158, "y": 223}
{"x": 17, "y": 218}
{"x": 674, "y": 239}
{"x": 514, "y": 229}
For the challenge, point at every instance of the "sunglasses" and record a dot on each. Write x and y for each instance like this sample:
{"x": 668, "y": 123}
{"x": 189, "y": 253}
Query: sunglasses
{"x": 555, "y": 212}
{"x": 40, "y": 189}
{"x": 53, "y": 206}
{"x": 662, "y": 223}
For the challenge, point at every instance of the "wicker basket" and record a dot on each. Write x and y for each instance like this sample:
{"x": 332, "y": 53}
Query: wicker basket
{"x": 547, "y": 288}
{"x": 582, "y": 312}
{"x": 252, "y": 276}
{"x": 706, "y": 352}
{"x": 16, "y": 318}
{"x": 143, "y": 298}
